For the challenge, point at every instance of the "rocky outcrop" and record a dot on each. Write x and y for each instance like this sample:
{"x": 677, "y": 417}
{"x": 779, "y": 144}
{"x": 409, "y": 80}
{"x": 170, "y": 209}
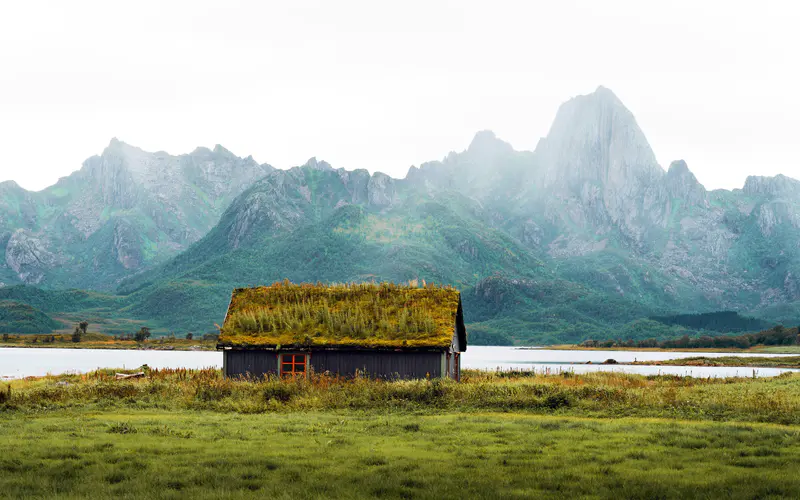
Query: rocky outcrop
{"x": 772, "y": 187}
{"x": 29, "y": 256}
{"x": 127, "y": 247}
{"x": 380, "y": 190}
{"x": 681, "y": 184}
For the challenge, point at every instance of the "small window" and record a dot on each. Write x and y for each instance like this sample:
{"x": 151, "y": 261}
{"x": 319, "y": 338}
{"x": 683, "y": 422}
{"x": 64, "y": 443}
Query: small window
{"x": 293, "y": 365}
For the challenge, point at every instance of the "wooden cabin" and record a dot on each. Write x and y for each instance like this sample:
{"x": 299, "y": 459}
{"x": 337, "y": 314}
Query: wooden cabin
{"x": 376, "y": 330}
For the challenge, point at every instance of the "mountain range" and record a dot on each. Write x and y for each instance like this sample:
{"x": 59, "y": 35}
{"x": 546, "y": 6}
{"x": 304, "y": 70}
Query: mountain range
{"x": 586, "y": 236}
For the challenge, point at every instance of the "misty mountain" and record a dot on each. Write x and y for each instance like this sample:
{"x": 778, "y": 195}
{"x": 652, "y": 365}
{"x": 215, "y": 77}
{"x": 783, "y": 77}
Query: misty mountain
{"x": 123, "y": 211}
{"x": 584, "y": 237}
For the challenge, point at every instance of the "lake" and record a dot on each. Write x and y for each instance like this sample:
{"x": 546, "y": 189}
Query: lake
{"x": 26, "y": 362}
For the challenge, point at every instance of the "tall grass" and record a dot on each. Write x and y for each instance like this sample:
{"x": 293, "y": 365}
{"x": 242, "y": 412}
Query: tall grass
{"x": 286, "y": 313}
{"x": 597, "y": 394}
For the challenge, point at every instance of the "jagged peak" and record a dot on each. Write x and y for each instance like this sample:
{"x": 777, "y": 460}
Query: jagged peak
{"x": 682, "y": 183}
{"x": 116, "y": 147}
{"x": 10, "y": 184}
{"x": 486, "y": 141}
{"x": 678, "y": 167}
{"x": 200, "y": 151}
{"x": 771, "y": 186}
{"x": 315, "y": 164}
{"x": 221, "y": 150}
{"x": 602, "y": 92}
{"x": 595, "y": 137}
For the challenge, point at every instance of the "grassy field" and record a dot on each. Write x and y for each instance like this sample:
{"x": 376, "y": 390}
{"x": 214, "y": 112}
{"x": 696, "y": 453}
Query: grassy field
{"x": 162, "y": 454}
{"x": 178, "y": 433}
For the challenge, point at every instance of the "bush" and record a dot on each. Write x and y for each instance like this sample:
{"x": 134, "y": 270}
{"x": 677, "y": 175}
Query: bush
{"x": 556, "y": 401}
{"x": 209, "y": 391}
{"x": 279, "y": 390}
{"x": 122, "y": 428}
{"x": 142, "y": 335}
{"x": 5, "y": 395}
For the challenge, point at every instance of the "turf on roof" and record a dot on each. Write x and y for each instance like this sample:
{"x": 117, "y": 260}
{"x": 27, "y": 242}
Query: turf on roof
{"x": 363, "y": 315}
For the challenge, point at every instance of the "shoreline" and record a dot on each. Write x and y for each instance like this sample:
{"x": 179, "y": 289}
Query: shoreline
{"x": 760, "y": 349}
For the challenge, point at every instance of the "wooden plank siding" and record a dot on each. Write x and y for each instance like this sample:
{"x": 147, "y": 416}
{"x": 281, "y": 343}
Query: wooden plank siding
{"x": 379, "y": 364}
{"x": 376, "y": 364}
{"x": 254, "y": 363}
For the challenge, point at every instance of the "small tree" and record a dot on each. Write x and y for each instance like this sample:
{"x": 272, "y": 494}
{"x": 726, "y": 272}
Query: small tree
{"x": 77, "y": 334}
{"x": 83, "y": 325}
{"x": 189, "y": 336}
{"x": 142, "y": 335}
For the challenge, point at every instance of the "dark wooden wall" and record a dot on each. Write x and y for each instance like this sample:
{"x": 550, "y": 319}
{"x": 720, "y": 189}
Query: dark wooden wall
{"x": 255, "y": 363}
{"x": 378, "y": 364}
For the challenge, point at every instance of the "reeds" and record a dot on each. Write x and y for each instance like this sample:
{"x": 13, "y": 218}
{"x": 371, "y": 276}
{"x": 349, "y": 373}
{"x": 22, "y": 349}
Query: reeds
{"x": 774, "y": 400}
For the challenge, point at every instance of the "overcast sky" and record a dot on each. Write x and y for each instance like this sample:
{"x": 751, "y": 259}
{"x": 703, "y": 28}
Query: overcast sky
{"x": 385, "y": 85}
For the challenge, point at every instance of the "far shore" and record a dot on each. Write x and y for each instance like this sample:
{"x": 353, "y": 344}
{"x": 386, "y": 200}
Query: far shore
{"x": 761, "y": 349}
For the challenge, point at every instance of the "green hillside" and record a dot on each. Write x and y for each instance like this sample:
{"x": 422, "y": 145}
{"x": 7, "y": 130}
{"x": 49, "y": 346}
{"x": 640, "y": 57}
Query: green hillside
{"x": 16, "y": 317}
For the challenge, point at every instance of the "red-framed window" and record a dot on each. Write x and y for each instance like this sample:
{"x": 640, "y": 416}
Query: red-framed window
{"x": 293, "y": 365}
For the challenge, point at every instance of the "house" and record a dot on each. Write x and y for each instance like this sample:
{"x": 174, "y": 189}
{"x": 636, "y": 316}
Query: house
{"x": 378, "y": 330}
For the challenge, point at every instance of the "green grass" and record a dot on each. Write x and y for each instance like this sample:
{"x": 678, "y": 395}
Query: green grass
{"x": 351, "y": 454}
{"x": 193, "y": 434}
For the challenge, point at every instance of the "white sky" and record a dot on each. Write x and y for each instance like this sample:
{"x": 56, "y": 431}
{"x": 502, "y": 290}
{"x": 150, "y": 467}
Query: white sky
{"x": 384, "y": 85}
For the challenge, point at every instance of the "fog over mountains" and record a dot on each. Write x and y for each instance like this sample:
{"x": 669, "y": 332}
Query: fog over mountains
{"x": 586, "y": 235}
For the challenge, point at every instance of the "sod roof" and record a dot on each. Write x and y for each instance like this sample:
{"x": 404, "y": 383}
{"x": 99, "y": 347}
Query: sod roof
{"x": 371, "y": 315}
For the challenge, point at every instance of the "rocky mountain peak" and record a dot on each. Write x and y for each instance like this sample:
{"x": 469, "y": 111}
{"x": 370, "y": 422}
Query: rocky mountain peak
{"x": 10, "y": 186}
{"x": 596, "y": 138}
{"x": 679, "y": 168}
{"x": 486, "y": 143}
{"x": 682, "y": 183}
{"x": 222, "y": 151}
{"x": 777, "y": 186}
{"x": 315, "y": 164}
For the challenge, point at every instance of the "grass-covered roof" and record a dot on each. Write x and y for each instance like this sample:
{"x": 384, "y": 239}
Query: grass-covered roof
{"x": 341, "y": 315}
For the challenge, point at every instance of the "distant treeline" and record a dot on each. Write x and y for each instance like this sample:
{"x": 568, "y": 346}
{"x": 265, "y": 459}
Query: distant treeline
{"x": 721, "y": 321}
{"x": 778, "y": 335}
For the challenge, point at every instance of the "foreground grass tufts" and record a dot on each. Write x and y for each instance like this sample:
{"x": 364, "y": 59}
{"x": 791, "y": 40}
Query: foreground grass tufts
{"x": 775, "y": 400}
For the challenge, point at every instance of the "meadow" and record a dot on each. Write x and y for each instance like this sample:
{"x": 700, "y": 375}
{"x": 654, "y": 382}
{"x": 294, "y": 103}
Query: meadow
{"x": 180, "y": 433}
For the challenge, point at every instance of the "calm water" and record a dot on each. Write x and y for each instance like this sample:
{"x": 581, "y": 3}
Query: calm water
{"x": 16, "y": 362}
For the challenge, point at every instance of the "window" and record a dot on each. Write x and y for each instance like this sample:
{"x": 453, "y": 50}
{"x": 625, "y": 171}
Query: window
{"x": 293, "y": 365}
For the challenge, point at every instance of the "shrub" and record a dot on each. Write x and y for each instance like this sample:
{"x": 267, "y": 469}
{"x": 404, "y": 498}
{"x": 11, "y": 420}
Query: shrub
{"x": 142, "y": 335}
{"x": 279, "y": 390}
{"x": 556, "y": 401}
{"x": 122, "y": 428}
{"x": 213, "y": 390}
